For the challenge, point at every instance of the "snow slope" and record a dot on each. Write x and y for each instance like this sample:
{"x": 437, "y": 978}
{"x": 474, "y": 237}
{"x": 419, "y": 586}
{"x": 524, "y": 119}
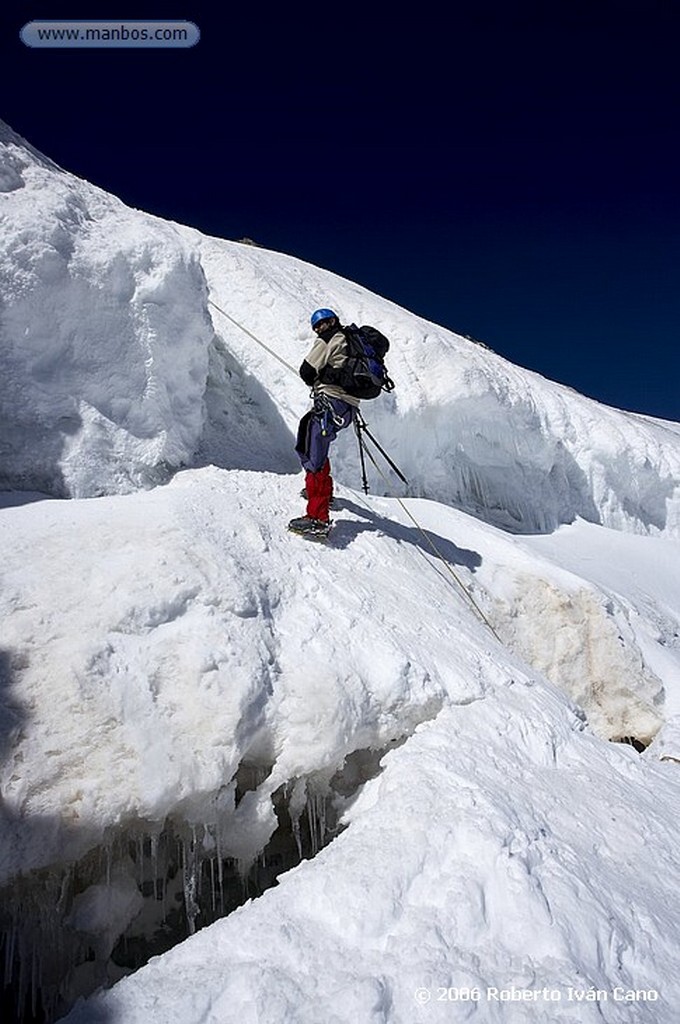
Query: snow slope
{"x": 121, "y": 371}
{"x": 485, "y": 860}
{"x": 414, "y": 719}
{"x": 498, "y": 845}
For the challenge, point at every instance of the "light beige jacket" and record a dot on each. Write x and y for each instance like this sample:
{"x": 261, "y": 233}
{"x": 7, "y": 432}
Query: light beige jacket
{"x": 330, "y": 353}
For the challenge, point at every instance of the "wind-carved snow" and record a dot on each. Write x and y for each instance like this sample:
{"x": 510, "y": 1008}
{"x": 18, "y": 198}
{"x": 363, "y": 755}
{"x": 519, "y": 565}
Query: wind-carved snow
{"x": 192, "y": 701}
{"x": 174, "y": 643}
{"x": 119, "y": 371}
{"x": 104, "y": 333}
{"x": 466, "y": 426}
{"x": 178, "y": 662}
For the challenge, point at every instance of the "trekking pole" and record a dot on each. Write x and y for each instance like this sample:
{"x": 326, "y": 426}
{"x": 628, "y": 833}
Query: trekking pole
{"x": 362, "y": 426}
{"x": 364, "y": 478}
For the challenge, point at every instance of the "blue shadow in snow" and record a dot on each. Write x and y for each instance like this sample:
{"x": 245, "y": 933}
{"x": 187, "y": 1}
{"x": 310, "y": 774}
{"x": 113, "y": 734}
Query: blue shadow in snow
{"x": 345, "y": 531}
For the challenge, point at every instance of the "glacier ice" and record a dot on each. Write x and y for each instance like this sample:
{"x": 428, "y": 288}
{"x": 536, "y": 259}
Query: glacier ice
{"x": 192, "y": 705}
{"x": 71, "y": 928}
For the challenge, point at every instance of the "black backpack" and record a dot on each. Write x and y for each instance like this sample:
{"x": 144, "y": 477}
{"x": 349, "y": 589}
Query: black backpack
{"x": 364, "y": 375}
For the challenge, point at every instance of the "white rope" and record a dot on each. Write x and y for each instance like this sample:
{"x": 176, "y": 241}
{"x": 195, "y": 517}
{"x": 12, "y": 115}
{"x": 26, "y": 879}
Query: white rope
{"x": 256, "y": 340}
{"x": 447, "y": 565}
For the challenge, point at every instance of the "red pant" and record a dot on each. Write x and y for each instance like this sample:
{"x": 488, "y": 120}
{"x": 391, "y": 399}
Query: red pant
{"x": 319, "y": 492}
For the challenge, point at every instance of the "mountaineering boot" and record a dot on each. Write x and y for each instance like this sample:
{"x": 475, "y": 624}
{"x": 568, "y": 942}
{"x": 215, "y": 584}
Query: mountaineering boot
{"x": 315, "y": 529}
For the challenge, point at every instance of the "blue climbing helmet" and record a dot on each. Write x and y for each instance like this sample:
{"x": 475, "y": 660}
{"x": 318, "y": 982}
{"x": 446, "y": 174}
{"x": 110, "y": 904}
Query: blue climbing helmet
{"x": 322, "y": 314}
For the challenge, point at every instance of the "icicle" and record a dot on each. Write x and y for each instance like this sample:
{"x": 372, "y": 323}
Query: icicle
{"x": 213, "y": 899}
{"x": 220, "y": 866}
{"x": 140, "y": 860}
{"x": 322, "y": 820}
{"x": 10, "y": 946}
{"x": 190, "y": 866}
{"x": 316, "y": 819}
{"x": 63, "y": 892}
{"x": 297, "y": 802}
{"x": 153, "y": 856}
{"x": 311, "y": 818}
{"x": 295, "y": 822}
{"x": 21, "y": 980}
{"x": 35, "y": 982}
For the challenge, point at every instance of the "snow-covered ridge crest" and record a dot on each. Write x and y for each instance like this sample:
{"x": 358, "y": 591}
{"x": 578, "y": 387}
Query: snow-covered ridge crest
{"x": 118, "y": 371}
{"x": 14, "y": 160}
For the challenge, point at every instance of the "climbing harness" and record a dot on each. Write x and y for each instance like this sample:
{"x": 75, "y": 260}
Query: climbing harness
{"x": 326, "y": 413}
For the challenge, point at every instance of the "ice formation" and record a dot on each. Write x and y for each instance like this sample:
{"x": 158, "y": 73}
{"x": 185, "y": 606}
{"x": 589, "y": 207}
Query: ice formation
{"x": 408, "y": 730}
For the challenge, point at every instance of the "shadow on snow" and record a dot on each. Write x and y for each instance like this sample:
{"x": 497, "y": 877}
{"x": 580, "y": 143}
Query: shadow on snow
{"x": 345, "y": 531}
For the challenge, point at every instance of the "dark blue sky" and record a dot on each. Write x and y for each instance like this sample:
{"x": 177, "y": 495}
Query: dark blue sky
{"x": 511, "y": 172}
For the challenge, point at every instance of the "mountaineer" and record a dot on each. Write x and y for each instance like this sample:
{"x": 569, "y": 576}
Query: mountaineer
{"x": 332, "y": 411}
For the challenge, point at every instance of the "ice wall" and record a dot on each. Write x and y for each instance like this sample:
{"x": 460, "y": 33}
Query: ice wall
{"x": 466, "y": 426}
{"x": 104, "y": 336}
